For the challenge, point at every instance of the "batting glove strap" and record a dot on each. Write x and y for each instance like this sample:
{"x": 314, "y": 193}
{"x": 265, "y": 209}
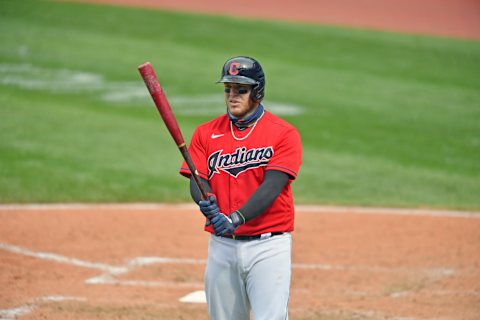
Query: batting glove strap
{"x": 237, "y": 218}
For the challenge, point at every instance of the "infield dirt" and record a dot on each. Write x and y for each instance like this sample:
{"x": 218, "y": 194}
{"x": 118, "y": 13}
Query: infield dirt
{"x": 124, "y": 262}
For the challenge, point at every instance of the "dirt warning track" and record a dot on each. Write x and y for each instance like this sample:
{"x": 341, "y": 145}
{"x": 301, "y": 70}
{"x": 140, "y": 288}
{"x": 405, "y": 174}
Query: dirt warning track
{"x": 451, "y": 18}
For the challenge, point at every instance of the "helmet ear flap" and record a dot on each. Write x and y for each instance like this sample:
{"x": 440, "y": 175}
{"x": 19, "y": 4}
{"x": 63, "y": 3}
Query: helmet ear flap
{"x": 257, "y": 92}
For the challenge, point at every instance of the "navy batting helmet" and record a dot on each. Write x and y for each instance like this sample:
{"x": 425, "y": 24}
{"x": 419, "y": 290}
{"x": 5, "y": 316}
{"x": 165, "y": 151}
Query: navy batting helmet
{"x": 245, "y": 70}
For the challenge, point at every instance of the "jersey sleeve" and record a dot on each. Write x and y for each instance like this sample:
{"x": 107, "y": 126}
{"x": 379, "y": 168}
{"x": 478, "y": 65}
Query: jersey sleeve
{"x": 287, "y": 155}
{"x": 197, "y": 151}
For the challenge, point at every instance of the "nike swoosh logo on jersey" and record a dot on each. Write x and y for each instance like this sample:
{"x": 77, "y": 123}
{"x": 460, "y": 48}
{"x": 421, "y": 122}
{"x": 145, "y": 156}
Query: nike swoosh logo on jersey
{"x": 215, "y": 136}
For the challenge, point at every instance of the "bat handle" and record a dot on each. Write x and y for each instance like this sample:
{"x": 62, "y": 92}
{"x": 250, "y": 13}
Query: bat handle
{"x": 193, "y": 170}
{"x": 200, "y": 185}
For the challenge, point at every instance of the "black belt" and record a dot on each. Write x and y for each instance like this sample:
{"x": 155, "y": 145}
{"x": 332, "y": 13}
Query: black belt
{"x": 256, "y": 237}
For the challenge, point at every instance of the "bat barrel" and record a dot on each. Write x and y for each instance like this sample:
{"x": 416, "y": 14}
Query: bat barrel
{"x": 161, "y": 102}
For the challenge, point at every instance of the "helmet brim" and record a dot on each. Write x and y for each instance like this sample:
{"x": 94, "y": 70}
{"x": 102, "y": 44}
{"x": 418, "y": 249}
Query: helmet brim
{"x": 237, "y": 79}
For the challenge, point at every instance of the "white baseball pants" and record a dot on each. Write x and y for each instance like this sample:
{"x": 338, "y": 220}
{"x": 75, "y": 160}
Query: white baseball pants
{"x": 248, "y": 276}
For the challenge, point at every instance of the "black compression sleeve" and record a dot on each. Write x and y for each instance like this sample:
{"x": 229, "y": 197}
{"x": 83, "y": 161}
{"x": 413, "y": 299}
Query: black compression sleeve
{"x": 273, "y": 183}
{"x": 195, "y": 192}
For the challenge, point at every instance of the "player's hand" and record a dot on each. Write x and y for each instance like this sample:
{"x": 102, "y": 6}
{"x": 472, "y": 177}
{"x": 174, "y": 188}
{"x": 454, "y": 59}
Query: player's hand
{"x": 209, "y": 207}
{"x": 226, "y": 225}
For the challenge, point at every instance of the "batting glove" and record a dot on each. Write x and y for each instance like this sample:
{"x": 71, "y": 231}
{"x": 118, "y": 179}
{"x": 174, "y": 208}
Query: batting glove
{"x": 209, "y": 207}
{"x": 227, "y": 225}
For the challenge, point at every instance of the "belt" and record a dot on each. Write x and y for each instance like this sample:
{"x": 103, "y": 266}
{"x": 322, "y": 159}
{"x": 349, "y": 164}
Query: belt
{"x": 256, "y": 237}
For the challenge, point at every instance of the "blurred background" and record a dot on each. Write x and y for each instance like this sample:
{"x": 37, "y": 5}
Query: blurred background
{"x": 387, "y": 117}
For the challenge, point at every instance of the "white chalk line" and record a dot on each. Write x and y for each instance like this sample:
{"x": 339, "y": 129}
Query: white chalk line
{"x": 111, "y": 271}
{"x": 108, "y": 277}
{"x": 62, "y": 259}
{"x": 14, "y": 313}
{"x": 108, "y": 280}
{"x": 389, "y": 211}
{"x": 102, "y": 206}
{"x": 320, "y": 209}
{"x": 441, "y": 272}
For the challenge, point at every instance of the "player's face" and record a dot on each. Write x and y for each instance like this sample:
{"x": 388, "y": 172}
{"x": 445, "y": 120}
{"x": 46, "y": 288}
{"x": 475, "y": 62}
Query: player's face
{"x": 237, "y": 99}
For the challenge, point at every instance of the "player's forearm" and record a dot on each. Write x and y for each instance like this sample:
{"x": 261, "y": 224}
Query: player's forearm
{"x": 195, "y": 192}
{"x": 262, "y": 198}
{"x": 265, "y": 195}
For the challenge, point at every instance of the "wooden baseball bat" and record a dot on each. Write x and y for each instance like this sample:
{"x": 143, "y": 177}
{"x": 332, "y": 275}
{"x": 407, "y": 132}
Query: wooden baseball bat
{"x": 163, "y": 107}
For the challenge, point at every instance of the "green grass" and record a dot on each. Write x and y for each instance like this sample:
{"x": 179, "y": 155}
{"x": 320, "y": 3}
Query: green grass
{"x": 388, "y": 119}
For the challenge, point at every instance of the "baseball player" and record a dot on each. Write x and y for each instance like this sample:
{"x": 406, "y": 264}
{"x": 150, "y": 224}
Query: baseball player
{"x": 247, "y": 160}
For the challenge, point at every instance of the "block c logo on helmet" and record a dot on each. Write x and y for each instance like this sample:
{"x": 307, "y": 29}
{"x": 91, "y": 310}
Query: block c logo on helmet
{"x": 234, "y": 68}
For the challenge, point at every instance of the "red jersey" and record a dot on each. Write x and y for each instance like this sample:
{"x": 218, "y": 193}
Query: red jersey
{"x": 234, "y": 162}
